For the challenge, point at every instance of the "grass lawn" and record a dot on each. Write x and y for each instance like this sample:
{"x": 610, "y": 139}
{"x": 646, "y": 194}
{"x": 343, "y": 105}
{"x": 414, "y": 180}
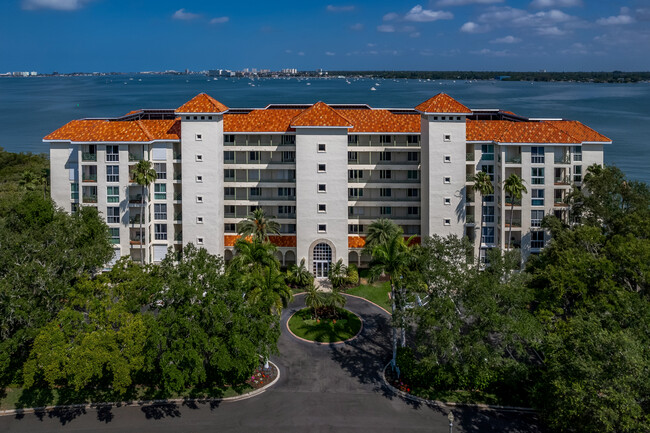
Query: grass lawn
{"x": 377, "y": 293}
{"x": 324, "y": 331}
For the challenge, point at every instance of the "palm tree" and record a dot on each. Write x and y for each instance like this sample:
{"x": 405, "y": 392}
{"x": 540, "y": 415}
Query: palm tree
{"x": 299, "y": 276}
{"x": 258, "y": 225}
{"x": 143, "y": 175}
{"x": 314, "y": 299}
{"x": 514, "y": 187}
{"x": 392, "y": 258}
{"x": 269, "y": 287}
{"x": 253, "y": 256}
{"x": 335, "y": 300}
{"x": 379, "y": 232}
{"x": 338, "y": 273}
{"x": 483, "y": 183}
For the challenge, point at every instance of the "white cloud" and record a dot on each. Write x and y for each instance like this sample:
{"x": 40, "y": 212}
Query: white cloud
{"x": 415, "y": 35}
{"x": 472, "y": 27}
{"x": 185, "y": 16}
{"x": 301, "y": 53}
{"x": 371, "y": 45}
{"x": 550, "y": 31}
{"x": 545, "y": 4}
{"x": 386, "y": 28}
{"x": 506, "y": 40}
{"x": 420, "y": 15}
{"x": 332, "y": 8}
{"x": 488, "y": 52}
{"x": 547, "y": 23}
{"x": 219, "y": 20}
{"x": 623, "y": 18}
{"x": 329, "y": 53}
{"x": 288, "y": 51}
{"x": 61, "y": 5}
{"x": 356, "y": 27}
{"x": 466, "y": 2}
{"x": 390, "y": 16}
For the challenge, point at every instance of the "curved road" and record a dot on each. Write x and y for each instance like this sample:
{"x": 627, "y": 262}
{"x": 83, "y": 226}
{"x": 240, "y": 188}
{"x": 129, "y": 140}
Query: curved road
{"x": 322, "y": 388}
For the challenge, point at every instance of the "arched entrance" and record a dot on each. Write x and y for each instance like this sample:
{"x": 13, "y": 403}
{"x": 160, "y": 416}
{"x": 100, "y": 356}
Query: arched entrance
{"x": 322, "y": 258}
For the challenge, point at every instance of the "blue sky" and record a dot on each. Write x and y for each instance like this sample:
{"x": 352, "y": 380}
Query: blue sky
{"x": 140, "y": 35}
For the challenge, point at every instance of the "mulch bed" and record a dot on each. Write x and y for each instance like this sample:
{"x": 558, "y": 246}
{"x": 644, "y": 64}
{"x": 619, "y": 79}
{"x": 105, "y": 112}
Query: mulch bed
{"x": 262, "y": 377}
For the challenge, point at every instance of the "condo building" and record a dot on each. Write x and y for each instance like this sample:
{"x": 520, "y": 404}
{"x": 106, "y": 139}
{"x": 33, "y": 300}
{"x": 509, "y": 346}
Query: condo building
{"x": 324, "y": 171}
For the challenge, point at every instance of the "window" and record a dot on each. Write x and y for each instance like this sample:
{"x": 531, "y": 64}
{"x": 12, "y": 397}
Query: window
{"x": 288, "y": 156}
{"x": 577, "y": 153}
{"x": 489, "y": 198}
{"x": 228, "y": 156}
{"x": 229, "y": 210}
{"x": 385, "y": 192}
{"x": 254, "y": 156}
{"x": 447, "y": 158}
{"x": 199, "y": 178}
{"x": 287, "y": 211}
{"x": 255, "y": 191}
{"x": 537, "y": 239}
{"x": 385, "y": 156}
{"x": 385, "y": 174}
{"x": 198, "y": 137}
{"x": 286, "y": 192}
{"x": 160, "y": 211}
{"x": 322, "y": 228}
{"x": 413, "y": 156}
{"x": 253, "y": 175}
{"x": 537, "y": 176}
{"x": 321, "y": 147}
{"x": 199, "y": 199}
{"x": 229, "y": 192}
{"x": 537, "y": 196}
{"x": 115, "y": 234}
{"x": 160, "y": 154}
{"x": 385, "y": 210}
{"x": 355, "y": 192}
{"x": 447, "y": 221}
{"x": 74, "y": 207}
{"x": 537, "y": 155}
{"x": 412, "y": 175}
{"x": 229, "y": 174}
{"x": 487, "y": 152}
{"x": 355, "y": 211}
{"x": 488, "y": 214}
{"x": 412, "y": 192}
{"x": 536, "y": 218}
{"x": 385, "y": 139}
{"x": 230, "y": 228}
{"x": 322, "y": 187}
{"x": 288, "y": 228}
{"x": 199, "y": 220}
{"x": 112, "y": 194}
{"x": 74, "y": 191}
{"x": 447, "y": 200}
{"x": 446, "y": 179}
{"x": 113, "y": 215}
{"x": 413, "y": 211}
{"x": 288, "y": 139}
{"x": 353, "y": 157}
{"x": 412, "y": 139}
{"x": 355, "y": 228}
{"x": 199, "y": 240}
{"x": 199, "y": 157}
{"x": 112, "y": 173}
{"x": 160, "y": 191}
{"x": 322, "y": 168}
{"x": 322, "y": 207}
{"x": 161, "y": 170}
{"x": 489, "y": 169}
{"x": 112, "y": 153}
{"x": 229, "y": 138}
{"x": 577, "y": 173}
{"x": 488, "y": 235}
{"x": 355, "y": 174}
{"x": 353, "y": 139}
{"x": 446, "y": 137}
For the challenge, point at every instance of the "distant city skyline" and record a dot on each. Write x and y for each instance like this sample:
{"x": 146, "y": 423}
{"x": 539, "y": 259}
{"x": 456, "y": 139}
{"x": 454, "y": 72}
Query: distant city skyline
{"x": 131, "y": 36}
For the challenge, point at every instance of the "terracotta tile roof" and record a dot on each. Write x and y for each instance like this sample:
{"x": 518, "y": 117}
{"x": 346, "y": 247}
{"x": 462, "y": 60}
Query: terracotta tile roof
{"x": 320, "y": 114}
{"x": 485, "y": 130}
{"x": 534, "y": 132}
{"x": 202, "y": 103}
{"x": 99, "y": 130}
{"x": 276, "y": 120}
{"x": 442, "y": 103}
{"x": 381, "y": 121}
{"x": 578, "y": 131}
{"x": 356, "y": 241}
{"x": 278, "y": 241}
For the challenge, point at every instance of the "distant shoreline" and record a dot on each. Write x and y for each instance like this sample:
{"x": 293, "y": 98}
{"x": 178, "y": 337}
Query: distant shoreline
{"x": 540, "y": 76}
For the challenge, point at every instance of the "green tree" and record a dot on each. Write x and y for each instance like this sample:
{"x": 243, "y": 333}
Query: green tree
{"x": 314, "y": 299}
{"x": 483, "y": 184}
{"x": 514, "y": 188}
{"x": 252, "y": 256}
{"x": 258, "y": 225}
{"x": 338, "y": 273}
{"x": 143, "y": 175}
{"x": 270, "y": 288}
{"x": 380, "y": 232}
{"x": 299, "y": 277}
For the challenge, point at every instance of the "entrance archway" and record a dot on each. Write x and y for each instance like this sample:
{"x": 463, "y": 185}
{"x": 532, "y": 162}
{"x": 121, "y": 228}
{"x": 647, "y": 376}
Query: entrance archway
{"x": 322, "y": 258}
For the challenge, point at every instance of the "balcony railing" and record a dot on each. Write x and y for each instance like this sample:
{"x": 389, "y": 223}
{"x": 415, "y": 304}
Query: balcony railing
{"x": 509, "y": 201}
{"x": 178, "y": 236}
{"x": 566, "y": 159}
{"x": 135, "y": 199}
{"x": 87, "y": 156}
{"x": 178, "y": 216}
{"x": 178, "y": 196}
{"x": 135, "y": 219}
{"x": 515, "y": 222}
{"x": 562, "y": 180}
{"x": 513, "y": 159}
{"x": 177, "y": 155}
{"x": 89, "y": 177}
{"x": 134, "y": 157}
{"x": 470, "y": 219}
{"x": 89, "y": 199}
{"x": 178, "y": 176}
{"x": 469, "y": 156}
{"x": 559, "y": 201}
{"x": 469, "y": 177}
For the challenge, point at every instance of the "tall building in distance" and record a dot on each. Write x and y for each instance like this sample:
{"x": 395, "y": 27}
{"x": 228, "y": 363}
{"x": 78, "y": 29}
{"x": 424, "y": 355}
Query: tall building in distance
{"x": 325, "y": 172}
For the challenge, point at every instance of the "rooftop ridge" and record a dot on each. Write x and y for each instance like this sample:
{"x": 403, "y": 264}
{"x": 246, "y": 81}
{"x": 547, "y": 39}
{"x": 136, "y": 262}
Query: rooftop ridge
{"x": 442, "y": 103}
{"x": 202, "y": 103}
{"x": 320, "y": 115}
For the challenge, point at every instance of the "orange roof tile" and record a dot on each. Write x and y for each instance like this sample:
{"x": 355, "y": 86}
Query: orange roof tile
{"x": 320, "y": 114}
{"x": 202, "y": 103}
{"x": 260, "y": 120}
{"x": 534, "y": 132}
{"x": 442, "y": 103}
{"x": 278, "y": 241}
{"x": 98, "y": 130}
{"x": 485, "y": 130}
{"x": 381, "y": 121}
{"x": 578, "y": 130}
{"x": 356, "y": 241}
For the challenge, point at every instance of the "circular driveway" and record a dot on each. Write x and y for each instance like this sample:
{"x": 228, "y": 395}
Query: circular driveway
{"x": 322, "y": 388}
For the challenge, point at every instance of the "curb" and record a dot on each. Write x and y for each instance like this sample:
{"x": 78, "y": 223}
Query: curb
{"x": 370, "y": 302}
{"x": 246, "y": 396}
{"x": 322, "y": 343}
{"x": 479, "y": 406}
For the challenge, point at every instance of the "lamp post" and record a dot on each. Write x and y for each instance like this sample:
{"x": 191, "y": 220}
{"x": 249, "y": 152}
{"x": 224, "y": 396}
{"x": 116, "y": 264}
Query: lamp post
{"x": 450, "y": 417}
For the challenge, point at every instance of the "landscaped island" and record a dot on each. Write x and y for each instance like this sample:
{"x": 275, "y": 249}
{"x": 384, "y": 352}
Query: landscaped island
{"x": 341, "y": 326}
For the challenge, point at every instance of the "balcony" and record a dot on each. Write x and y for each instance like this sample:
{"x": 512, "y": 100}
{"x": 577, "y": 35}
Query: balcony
{"x": 470, "y": 219}
{"x": 177, "y": 155}
{"x": 178, "y": 176}
{"x": 562, "y": 180}
{"x": 134, "y": 157}
{"x": 515, "y": 159}
{"x": 89, "y": 177}
{"x": 178, "y": 216}
{"x": 135, "y": 219}
{"x": 566, "y": 159}
{"x": 89, "y": 199}
{"x": 469, "y": 177}
{"x": 511, "y": 202}
{"x": 515, "y": 222}
{"x": 87, "y": 156}
{"x": 469, "y": 156}
{"x": 559, "y": 202}
{"x": 178, "y": 196}
{"x": 178, "y": 237}
{"x": 135, "y": 199}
